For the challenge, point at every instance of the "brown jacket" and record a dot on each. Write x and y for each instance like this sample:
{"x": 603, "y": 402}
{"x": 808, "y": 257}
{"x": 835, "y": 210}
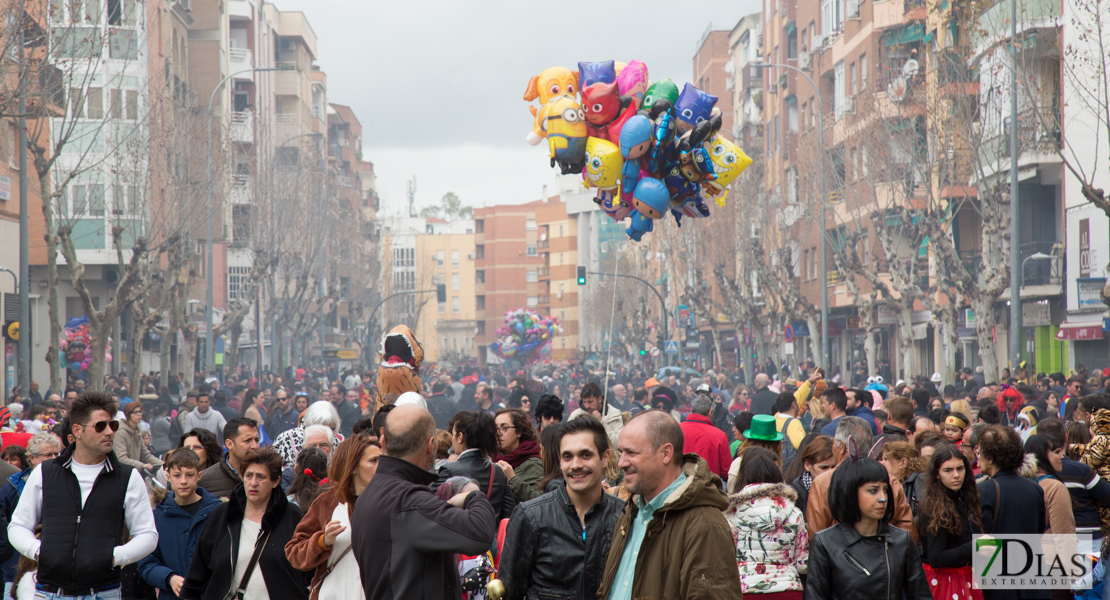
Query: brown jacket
{"x": 818, "y": 515}
{"x": 304, "y": 551}
{"x": 688, "y": 550}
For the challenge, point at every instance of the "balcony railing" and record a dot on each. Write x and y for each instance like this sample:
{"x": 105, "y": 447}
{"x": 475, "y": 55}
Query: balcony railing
{"x": 1042, "y": 271}
{"x": 287, "y": 119}
{"x": 1038, "y": 131}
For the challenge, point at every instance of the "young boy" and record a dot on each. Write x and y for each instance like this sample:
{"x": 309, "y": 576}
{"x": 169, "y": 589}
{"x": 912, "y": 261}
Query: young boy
{"x": 180, "y": 518}
{"x": 954, "y": 426}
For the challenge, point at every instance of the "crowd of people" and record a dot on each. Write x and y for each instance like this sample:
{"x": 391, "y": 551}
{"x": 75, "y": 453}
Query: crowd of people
{"x": 546, "y": 483}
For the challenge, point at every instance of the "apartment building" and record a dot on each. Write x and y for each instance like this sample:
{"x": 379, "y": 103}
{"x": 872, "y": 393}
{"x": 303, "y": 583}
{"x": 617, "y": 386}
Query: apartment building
{"x": 507, "y": 263}
{"x": 558, "y": 296}
{"x": 712, "y": 73}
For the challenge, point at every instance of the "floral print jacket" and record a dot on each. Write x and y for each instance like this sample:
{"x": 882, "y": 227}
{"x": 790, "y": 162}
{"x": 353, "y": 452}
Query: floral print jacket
{"x": 771, "y": 539}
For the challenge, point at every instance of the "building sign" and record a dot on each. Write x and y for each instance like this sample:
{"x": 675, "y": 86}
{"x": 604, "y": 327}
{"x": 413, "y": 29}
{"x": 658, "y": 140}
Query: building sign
{"x": 921, "y": 316}
{"x": 1035, "y": 314}
{"x": 1084, "y": 249}
{"x": 1080, "y": 332}
{"x": 1088, "y": 291}
{"x": 886, "y": 315}
{"x": 801, "y": 328}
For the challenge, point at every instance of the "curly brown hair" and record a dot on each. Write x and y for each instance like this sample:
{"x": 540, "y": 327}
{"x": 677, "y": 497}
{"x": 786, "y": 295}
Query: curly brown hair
{"x": 938, "y": 510}
{"x": 523, "y": 424}
{"x": 906, "y": 450}
{"x": 1002, "y": 447}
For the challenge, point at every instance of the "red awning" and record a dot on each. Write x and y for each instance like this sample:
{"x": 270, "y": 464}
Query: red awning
{"x": 1080, "y": 331}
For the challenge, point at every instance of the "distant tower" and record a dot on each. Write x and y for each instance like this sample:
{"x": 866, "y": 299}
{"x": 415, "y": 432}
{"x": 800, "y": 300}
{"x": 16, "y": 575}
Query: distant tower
{"x": 412, "y": 197}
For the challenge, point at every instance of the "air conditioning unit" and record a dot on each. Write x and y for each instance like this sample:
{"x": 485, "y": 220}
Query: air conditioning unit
{"x": 853, "y": 9}
{"x": 772, "y": 88}
{"x": 286, "y": 45}
{"x": 818, "y": 42}
{"x": 469, "y": 257}
{"x": 849, "y": 106}
{"x": 803, "y": 60}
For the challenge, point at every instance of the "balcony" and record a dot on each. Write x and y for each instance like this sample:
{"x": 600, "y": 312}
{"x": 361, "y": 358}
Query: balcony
{"x": 751, "y": 79}
{"x": 1038, "y": 141}
{"x": 343, "y": 181}
{"x": 1041, "y": 275}
{"x": 914, "y": 10}
{"x": 239, "y": 9}
{"x": 242, "y": 127}
{"x": 242, "y": 189}
{"x": 544, "y": 273}
{"x": 993, "y": 25}
{"x": 241, "y": 59}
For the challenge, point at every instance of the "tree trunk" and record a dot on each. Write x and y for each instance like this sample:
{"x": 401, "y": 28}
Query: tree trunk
{"x": 815, "y": 340}
{"x": 56, "y": 369}
{"x": 164, "y": 346}
{"x": 951, "y": 340}
{"x": 719, "y": 359}
{"x": 905, "y": 341}
{"x": 231, "y": 347}
{"x": 189, "y": 332}
{"x": 983, "y": 305}
{"x": 135, "y": 355}
{"x": 99, "y": 331}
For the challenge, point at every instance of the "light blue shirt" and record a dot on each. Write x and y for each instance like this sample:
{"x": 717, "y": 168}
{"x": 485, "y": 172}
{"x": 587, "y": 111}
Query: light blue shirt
{"x": 626, "y": 572}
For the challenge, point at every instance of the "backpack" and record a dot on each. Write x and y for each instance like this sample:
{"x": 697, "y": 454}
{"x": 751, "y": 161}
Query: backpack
{"x": 788, "y": 450}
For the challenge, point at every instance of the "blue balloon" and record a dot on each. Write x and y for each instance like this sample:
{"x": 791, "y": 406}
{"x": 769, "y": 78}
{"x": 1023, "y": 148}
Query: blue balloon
{"x": 519, "y": 327}
{"x": 75, "y": 366}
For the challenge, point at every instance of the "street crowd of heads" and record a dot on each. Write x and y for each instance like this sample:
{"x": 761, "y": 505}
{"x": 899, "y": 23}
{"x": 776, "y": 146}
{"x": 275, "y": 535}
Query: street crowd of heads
{"x": 562, "y": 482}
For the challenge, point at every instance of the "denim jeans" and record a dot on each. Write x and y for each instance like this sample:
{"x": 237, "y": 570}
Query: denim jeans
{"x": 105, "y": 595}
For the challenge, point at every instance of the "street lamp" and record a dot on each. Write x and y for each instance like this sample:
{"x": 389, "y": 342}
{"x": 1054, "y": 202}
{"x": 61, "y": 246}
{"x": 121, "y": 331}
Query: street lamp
{"x": 209, "y": 338}
{"x": 824, "y": 199}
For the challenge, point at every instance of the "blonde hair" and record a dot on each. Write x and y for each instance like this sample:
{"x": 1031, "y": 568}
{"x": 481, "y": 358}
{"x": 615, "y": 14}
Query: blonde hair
{"x": 906, "y": 450}
{"x": 960, "y": 406}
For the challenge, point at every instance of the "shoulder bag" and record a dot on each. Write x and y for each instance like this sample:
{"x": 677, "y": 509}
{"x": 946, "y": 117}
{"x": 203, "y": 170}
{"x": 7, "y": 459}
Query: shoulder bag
{"x": 237, "y": 593}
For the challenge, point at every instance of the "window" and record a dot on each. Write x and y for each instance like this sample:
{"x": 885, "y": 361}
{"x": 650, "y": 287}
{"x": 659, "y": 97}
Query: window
{"x": 865, "y": 248}
{"x": 863, "y": 160}
{"x": 830, "y": 17}
{"x": 480, "y": 276}
{"x": 560, "y": 231}
{"x": 533, "y": 301}
{"x": 530, "y": 251}
{"x": 792, "y": 116}
{"x": 778, "y": 146}
{"x": 480, "y": 302}
{"x": 96, "y": 200}
{"x": 479, "y": 252}
{"x": 438, "y": 279}
{"x": 838, "y": 90}
{"x": 481, "y": 329}
{"x": 530, "y": 224}
{"x": 852, "y": 74}
{"x": 133, "y": 105}
{"x": 805, "y": 260}
{"x": 116, "y": 106}
{"x": 479, "y": 226}
{"x": 855, "y": 163}
{"x": 76, "y": 103}
{"x": 792, "y": 45}
{"x": 863, "y": 71}
{"x": 96, "y": 103}
{"x": 441, "y": 307}
{"x": 240, "y": 223}
{"x": 454, "y": 258}
{"x": 531, "y": 276}
{"x": 236, "y": 277}
{"x": 455, "y": 282}
{"x": 455, "y": 304}
{"x": 439, "y": 258}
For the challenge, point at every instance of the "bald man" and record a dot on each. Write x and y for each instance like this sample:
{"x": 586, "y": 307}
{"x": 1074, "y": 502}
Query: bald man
{"x": 404, "y": 537}
{"x": 763, "y": 402}
{"x": 652, "y": 558}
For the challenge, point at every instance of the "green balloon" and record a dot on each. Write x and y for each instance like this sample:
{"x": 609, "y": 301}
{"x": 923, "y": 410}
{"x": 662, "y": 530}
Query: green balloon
{"x": 660, "y": 90}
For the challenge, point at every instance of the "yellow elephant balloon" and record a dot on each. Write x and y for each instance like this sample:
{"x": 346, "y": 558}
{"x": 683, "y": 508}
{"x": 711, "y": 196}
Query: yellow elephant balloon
{"x": 729, "y": 161}
{"x": 603, "y": 164}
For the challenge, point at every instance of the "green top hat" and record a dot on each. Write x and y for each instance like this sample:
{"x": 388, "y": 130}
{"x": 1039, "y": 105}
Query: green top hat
{"x": 763, "y": 428}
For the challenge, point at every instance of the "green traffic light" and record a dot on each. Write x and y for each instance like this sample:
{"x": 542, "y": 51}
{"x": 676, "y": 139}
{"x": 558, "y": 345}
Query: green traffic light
{"x": 643, "y": 352}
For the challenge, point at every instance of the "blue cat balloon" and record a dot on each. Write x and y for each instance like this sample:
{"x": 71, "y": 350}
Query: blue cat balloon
{"x": 694, "y": 106}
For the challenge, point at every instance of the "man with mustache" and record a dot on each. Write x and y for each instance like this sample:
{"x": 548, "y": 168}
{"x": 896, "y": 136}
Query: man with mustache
{"x": 555, "y": 544}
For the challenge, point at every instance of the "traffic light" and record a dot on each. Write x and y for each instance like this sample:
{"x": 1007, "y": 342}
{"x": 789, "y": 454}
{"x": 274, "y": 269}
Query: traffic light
{"x": 441, "y": 293}
{"x": 581, "y": 275}
{"x": 643, "y": 352}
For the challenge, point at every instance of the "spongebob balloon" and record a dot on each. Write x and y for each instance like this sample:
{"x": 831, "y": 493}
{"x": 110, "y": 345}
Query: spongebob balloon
{"x": 729, "y": 161}
{"x": 603, "y": 164}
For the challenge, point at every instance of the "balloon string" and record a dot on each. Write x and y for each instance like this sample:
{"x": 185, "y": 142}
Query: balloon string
{"x": 612, "y": 315}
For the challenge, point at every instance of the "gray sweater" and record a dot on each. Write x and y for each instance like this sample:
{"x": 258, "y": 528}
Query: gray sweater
{"x": 212, "y": 421}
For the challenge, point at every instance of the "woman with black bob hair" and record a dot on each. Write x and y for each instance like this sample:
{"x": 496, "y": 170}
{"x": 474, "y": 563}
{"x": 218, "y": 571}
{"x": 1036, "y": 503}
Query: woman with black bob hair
{"x": 474, "y": 438}
{"x": 862, "y": 556}
{"x": 948, "y": 512}
{"x": 1049, "y": 453}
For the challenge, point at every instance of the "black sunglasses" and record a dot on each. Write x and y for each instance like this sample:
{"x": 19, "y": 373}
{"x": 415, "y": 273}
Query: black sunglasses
{"x": 100, "y": 425}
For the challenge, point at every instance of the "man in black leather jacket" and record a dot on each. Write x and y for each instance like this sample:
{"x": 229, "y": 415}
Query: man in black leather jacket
{"x": 555, "y": 545}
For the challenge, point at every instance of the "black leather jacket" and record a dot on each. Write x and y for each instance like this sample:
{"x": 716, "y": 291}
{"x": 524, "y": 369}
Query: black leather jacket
{"x": 545, "y": 556}
{"x": 472, "y": 464}
{"x": 845, "y": 565}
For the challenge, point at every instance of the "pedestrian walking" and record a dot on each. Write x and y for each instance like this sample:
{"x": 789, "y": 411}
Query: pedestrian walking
{"x": 128, "y": 442}
{"x": 82, "y": 558}
{"x": 180, "y": 518}
{"x": 949, "y": 512}
{"x": 289, "y": 444}
{"x": 816, "y": 457}
{"x": 555, "y": 543}
{"x": 701, "y": 437}
{"x": 772, "y": 546}
{"x": 240, "y": 437}
{"x": 474, "y": 438}
{"x": 204, "y": 416}
{"x": 204, "y": 444}
{"x": 863, "y": 555}
{"x": 519, "y": 453}
{"x": 322, "y": 541}
{"x": 404, "y": 537}
{"x": 675, "y": 499}
{"x": 242, "y": 547}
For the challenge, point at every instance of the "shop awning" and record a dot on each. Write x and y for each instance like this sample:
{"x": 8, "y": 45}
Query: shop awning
{"x": 1080, "y": 331}
{"x": 909, "y": 33}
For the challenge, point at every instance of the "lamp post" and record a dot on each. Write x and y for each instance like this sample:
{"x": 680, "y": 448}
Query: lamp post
{"x": 1015, "y": 214}
{"x": 209, "y": 337}
{"x": 1034, "y": 256}
{"x": 824, "y": 199}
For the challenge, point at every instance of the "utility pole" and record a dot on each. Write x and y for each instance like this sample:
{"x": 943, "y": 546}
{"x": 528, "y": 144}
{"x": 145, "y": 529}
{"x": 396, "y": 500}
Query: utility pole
{"x": 23, "y": 346}
{"x": 1015, "y": 231}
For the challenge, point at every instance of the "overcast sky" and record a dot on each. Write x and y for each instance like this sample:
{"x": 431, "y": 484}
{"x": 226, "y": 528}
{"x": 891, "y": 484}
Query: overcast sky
{"x": 438, "y": 85}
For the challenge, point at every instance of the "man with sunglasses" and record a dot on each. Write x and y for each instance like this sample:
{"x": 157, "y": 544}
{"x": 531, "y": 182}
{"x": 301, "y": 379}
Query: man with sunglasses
{"x": 81, "y": 557}
{"x": 282, "y": 416}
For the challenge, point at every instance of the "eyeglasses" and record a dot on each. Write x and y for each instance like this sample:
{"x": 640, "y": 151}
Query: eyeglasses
{"x": 46, "y": 455}
{"x": 506, "y": 427}
{"x": 101, "y": 425}
{"x": 321, "y": 446}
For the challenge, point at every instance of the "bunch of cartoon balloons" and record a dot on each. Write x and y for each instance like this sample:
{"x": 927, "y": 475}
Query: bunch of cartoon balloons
{"x": 526, "y": 335}
{"x": 646, "y": 147}
{"x": 75, "y": 346}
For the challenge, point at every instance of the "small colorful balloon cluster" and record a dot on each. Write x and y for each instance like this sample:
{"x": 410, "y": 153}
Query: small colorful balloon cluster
{"x": 526, "y": 335}
{"x": 75, "y": 347}
{"x": 645, "y": 146}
